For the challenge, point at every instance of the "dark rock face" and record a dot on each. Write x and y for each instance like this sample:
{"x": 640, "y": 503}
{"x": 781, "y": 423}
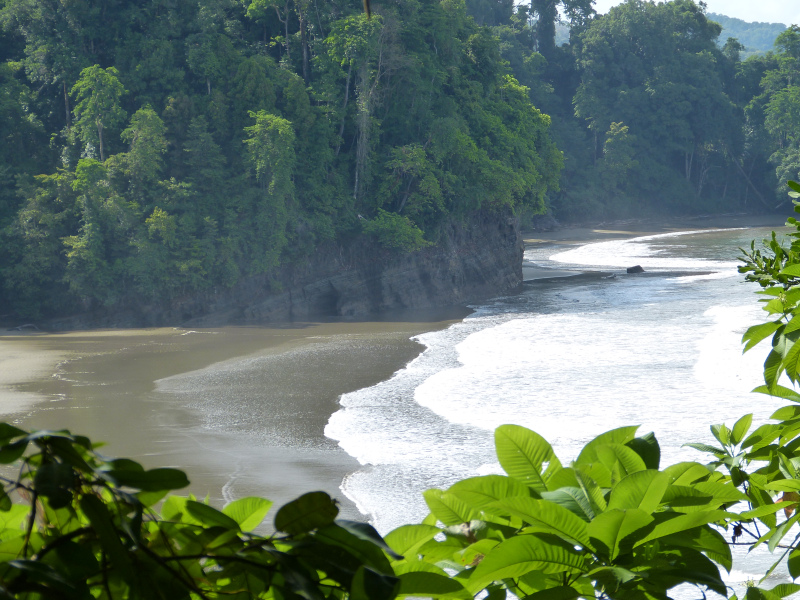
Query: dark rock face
{"x": 474, "y": 259}
{"x": 636, "y": 269}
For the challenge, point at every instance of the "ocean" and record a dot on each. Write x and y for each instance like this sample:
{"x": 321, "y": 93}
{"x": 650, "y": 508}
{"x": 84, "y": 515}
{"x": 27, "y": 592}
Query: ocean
{"x": 569, "y": 358}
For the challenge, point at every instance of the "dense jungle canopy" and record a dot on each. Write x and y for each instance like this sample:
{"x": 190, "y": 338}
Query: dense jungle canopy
{"x": 159, "y": 148}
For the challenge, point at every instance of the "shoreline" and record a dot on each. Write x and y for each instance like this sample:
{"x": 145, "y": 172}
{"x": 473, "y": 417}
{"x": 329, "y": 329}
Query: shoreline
{"x": 141, "y": 387}
{"x": 137, "y": 390}
{"x": 620, "y": 230}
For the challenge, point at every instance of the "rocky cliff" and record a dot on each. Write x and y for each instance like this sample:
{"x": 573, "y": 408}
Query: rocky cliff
{"x": 475, "y": 258}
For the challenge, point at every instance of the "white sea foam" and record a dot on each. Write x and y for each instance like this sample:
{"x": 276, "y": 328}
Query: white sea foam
{"x": 651, "y": 252}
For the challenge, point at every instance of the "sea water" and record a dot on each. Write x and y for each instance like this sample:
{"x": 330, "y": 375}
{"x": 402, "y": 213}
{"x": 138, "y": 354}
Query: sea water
{"x": 570, "y": 359}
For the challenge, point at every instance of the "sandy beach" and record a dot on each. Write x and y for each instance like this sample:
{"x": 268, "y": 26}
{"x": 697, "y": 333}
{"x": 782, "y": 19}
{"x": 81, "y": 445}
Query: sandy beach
{"x": 162, "y": 396}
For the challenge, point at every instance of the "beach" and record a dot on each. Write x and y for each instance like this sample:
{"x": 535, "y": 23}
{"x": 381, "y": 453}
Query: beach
{"x": 241, "y": 410}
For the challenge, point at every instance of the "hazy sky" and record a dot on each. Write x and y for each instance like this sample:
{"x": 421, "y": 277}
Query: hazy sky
{"x": 770, "y": 11}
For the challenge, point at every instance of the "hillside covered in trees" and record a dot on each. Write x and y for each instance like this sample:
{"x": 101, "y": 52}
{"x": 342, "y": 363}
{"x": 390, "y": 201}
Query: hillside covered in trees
{"x": 158, "y": 149}
{"x": 757, "y": 38}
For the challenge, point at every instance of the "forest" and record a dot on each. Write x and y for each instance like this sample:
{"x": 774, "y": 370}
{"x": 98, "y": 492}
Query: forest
{"x": 157, "y": 149}
{"x": 757, "y": 38}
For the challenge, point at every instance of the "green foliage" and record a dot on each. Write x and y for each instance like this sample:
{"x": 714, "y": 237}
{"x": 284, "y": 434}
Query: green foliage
{"x": 396, "y": 231}
{"x": 755, "y": 37}
{"x": 259, "y": 130}
{"x": 88, "y": 527}
{"x": 608, "y": 524}
{"x": 98, "y": 93}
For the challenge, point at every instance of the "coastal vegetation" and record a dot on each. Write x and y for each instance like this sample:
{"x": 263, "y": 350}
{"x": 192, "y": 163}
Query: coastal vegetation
{"x": 155, "y": 151}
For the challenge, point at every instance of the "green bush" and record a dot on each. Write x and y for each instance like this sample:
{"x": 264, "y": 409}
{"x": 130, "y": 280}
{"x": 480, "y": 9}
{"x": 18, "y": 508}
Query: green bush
{"x": 396, "y": 231}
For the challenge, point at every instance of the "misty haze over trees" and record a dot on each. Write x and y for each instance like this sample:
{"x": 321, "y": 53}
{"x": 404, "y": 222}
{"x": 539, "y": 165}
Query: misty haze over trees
{"x": 154, "y": 150}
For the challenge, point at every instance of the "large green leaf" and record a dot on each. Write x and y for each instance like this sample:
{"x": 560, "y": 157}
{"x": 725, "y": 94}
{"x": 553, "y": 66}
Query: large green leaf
{"x": 619, "y": 459}
{"x": 422, "y": 579}
{"x": 522, "y": 453}
{"x": 783, "y": 485}
{"x": 703, "y": 539}
{"x": 793, "y": 563}
{"x": 9, "y": 432}
{"x": 771, "y": 368}
{"x": 685, "y": 499}
{"x": 756, "y": 333}
{"x": 562, "y": 592}
{"x": 740, "y": 429}
{"x": 647, "y": 447}
{"x": 592, "y": 491}
{"x": 407, "y": 539}
{"x": 621, "y": 435}
{"x": 557, "y": 519}
{"x": 248, "y": 512}
{"x": 574, "y": 500}
{"x": 154, "y": 480}
{"x": 309, "y": 511}
{"x": 366, "y": 532}
{"x": 444, "y": 551}
{"x": 722, "y": 493}
{"x": 481, "y": 492}
{"x": 210, "y": 516}
{"x": 793, "y": 270}
{"x": 522, "y": 554}
{"x": 369, "y": 585}
{"x": 422, "y": 584}
{"x": 778, "y": 391}
{"x": 100, "y": 518}
{"x": 762, "y": 511}
{"x": 448, "y": 508}
{"x": 777, "y": 534}
{"x": 669, "y": 523}
{"x": 643, "y": 489}
{"x": 618, "y": 530}
{"x": 475, "y": 553}
{"x": 365, "y": 550}
{"x": 686, "y": 473}
{"x": 763, "y": 436}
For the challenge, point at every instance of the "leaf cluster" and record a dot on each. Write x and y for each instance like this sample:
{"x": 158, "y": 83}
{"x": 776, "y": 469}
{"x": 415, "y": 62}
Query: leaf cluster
{"x": 85, "y": 526}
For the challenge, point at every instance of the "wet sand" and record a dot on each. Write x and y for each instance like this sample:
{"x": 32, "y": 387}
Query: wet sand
{"x": 241, "y": 410}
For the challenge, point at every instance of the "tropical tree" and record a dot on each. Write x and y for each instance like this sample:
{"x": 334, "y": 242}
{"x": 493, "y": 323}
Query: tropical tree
{"x": 143, "y": 163}
{"x": 98, "y": 92}
{"x": 270, "y": 145}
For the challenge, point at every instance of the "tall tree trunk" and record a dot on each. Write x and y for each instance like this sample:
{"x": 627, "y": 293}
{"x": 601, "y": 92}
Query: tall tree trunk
{"x": 688, "y": 159}
{"x": 344, "y": 107}
{"x": 100, "y": 135}
{"x": 362, "y": 122}
{"x": 304, "y": 45}
{"x": 285, "y": 28}
{"x": 750, "y": 183}
{"x": 319, "y": 21}
{"x": 66, "y": 105}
